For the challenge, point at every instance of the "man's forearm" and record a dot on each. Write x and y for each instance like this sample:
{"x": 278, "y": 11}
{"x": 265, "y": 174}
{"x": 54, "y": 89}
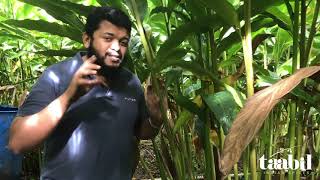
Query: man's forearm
{"x": 29, "y": 131}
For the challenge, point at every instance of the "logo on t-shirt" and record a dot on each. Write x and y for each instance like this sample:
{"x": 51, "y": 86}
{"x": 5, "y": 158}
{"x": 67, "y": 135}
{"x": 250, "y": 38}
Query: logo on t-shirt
{"x": 130, "y": 99}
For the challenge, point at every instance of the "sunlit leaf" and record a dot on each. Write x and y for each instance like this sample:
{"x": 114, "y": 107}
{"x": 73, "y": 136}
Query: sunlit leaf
{"x": 183, "y": 118}
{"x": 142, "y": 6}
{"x": 44, "y": 26}
{"x": 60, "y": 13}
{"x": 202, "y": 24}
{"x": 283, "y": 19}
{"x": 225, "y": 11}
{"x": 22, "y": 34}
{"x": 283, "y": 42}
{"x": 234, "y": 37}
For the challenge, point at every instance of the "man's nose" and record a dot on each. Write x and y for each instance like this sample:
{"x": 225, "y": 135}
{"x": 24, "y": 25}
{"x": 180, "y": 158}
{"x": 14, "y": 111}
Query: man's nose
{"x": 115, "y": 45}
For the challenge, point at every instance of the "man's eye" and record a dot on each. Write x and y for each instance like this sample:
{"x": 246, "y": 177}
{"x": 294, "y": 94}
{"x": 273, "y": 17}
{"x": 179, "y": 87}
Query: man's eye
{"x": 124, "y": 43}
{"x": 107, "y": 39}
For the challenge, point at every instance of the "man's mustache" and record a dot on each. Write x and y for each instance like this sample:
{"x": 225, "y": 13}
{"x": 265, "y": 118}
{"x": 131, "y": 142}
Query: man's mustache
{"x": 115, "y": 54}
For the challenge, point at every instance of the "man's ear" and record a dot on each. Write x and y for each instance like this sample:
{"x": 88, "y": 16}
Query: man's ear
{"x": 86, "y": 40}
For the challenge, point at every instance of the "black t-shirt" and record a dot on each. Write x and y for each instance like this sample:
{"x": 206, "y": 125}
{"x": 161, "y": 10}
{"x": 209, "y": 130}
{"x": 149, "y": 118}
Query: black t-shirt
{"x": 94, "y": 139}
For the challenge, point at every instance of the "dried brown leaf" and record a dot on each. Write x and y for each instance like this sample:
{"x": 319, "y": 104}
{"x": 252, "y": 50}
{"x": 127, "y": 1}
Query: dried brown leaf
{"x": 252, "y": 115}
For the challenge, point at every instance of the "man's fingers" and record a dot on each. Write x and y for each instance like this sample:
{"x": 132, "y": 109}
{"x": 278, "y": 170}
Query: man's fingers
{"x": 92, "y": 66}
{"x": 89, "y": 72}
{"x": 89, "y": 59}
{"x": 89, "y": 82}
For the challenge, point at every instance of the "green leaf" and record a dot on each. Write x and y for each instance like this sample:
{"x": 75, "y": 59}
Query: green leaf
{"x": 116, "y": 3}
{"x": 195, "y": 9}
{"x": 62, "y": 52}
{"x": 234, "y": 37}
{"x": 316, "y": 60}
{"x": 102, "y": 2}
{"x": 44, "y": 26}
{"x": 224, "y": 107}
{"x": 184, "y": 117}
{"x": 187, "y": 104}
{"x": 191, "y": 66}
{"x": 75, "y": 7}
{"x": 22, "y": 35}
{"x": 283, "y": 42}
{"x": 259, "y": 6}
{"x": 58, "y": 12}
{"x": 202, "y": 24}
{"x": 173, "y": 75}
{"x": 142, "y": 6}
{"x": 283, "y": 19}
{"x": 175, "y": 54}
{"x": 225, "y": 11}
{"x": 161, "y": 9}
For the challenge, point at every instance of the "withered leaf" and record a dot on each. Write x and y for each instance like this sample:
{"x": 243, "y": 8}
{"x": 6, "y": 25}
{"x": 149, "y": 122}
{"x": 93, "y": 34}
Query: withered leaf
{"x": 252, "y": 115}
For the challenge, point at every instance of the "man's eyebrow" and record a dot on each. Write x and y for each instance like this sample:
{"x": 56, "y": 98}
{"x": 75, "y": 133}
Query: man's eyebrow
{"x": 112, "y": 34}
{"x": 125, "y": 38}
{"x": 108, "y": 33}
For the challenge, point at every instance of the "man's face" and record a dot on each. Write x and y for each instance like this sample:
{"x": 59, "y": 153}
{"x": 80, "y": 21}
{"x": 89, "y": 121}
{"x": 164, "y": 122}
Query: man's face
{"x": 109, "y": 44}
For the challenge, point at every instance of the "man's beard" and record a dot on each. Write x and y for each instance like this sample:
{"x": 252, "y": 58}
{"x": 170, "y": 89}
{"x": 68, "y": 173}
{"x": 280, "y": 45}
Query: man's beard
{"x": 108, "y": 72}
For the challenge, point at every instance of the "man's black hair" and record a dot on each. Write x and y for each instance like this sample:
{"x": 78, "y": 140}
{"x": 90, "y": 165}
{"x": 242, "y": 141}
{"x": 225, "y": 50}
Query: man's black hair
{"x": 113, "y": 15}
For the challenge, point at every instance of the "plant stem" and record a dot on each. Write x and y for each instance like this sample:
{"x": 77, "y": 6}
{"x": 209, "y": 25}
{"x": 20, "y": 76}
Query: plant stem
{"x": 295, "y": 61}
{"x": 292, "y": 139}
{"x": 303, "y": 60}
{"x": 150, "y": 59}
{"x": 299, "y": 136}
{"x": 247, "y": 50}
{"x": 208, "y": 150}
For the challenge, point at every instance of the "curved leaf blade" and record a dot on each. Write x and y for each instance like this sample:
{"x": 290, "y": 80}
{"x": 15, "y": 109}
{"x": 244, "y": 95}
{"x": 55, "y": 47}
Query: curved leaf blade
{"x": 58, "y": 12}
{"x": 224, "y": 107}
{"x": 249, "y": 120}
{"x": 202, "y": 24}
{"x": 225, "y": 11}
{"x": 44, "y": 26}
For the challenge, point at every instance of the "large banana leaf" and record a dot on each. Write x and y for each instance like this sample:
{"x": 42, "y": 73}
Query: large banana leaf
{"x": 142, "y": 6}
{"x": 58, "y": 12}
{"x": 224, "y": 10}
{"x": 259, "y": 6}
{"x": 22, "y": 35}
{"x": 77, "y": 8}
{"x": 161, "y": 9}
{"x": 202, "y": 24}
{"x": 282, "y": 18}
{"x": 234, "y": 37}
{"x": 195, "y": 9}
{"x": 45, "y": 26}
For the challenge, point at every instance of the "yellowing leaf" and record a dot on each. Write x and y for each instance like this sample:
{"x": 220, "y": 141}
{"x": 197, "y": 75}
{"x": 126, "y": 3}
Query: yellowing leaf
{"x": 252, "y": 115}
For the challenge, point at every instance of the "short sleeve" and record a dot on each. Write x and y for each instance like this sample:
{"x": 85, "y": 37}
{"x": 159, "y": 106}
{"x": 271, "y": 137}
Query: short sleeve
{"x": 42, "y": 94}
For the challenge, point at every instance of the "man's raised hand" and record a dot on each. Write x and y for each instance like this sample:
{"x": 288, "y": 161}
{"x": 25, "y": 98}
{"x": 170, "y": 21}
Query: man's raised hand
{"x": 84, "y": 78}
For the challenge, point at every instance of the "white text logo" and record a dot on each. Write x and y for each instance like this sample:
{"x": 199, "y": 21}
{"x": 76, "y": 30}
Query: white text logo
{"x": 285, "y": 164}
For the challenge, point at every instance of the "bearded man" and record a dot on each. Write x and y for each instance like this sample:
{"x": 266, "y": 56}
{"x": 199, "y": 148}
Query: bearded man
{"x": 88, "y": 109}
